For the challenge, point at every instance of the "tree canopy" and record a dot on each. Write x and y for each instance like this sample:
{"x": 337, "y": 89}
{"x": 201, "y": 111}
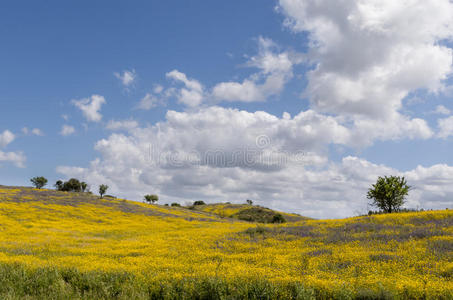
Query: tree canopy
{"x": 388, "y": 193}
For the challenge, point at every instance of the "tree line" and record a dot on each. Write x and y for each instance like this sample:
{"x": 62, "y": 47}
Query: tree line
{"x": 388, "y": 193}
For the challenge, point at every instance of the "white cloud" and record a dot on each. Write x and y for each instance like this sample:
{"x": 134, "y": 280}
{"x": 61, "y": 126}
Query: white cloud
{"x": 67, "y": 130}
{"x": 192, "y": 94}
{"x": 276, "y": 71}
{"x": 34, "y": 131}
{"x": 445, "y": 127}
{"x": 158, "y": 89}
{"x": 148, "y": 102}
{"x": 17, "y": 158}
{"x": 127, "y": 78}
{"x": 90, "y": 107}
{"x": 442, "y": 110}
{"x": 37, "y": 131}
{"x": 6, "y": 137}
{"x": 368, "y": 55}
{"x": 121, "y": 125}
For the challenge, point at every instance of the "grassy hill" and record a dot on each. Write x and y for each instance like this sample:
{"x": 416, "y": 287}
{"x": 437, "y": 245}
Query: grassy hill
{"x": 246, "y": 212}
{"x": 63, "y": 245}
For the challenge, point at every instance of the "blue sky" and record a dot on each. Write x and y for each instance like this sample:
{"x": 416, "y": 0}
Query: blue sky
{"x": 361, "y": 100}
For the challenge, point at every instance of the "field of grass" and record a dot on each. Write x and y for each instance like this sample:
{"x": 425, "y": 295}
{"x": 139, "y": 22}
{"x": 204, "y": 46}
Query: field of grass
{"x": 71, "y": 245}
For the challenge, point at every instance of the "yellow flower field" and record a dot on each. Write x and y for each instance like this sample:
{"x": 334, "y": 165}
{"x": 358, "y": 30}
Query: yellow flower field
{"x": 405, "y": 255}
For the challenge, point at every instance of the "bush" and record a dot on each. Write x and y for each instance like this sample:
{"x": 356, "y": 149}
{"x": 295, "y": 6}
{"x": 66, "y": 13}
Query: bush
{"x": 278, "y": 218}
{"x": 175, "y": 204}
{"x": 199, "y": 202}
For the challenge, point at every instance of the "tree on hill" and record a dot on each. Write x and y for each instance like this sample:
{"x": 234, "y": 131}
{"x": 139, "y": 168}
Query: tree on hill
{"x": 199, "y": 202}
{"x": 39, "y": 182}
{"x": 83, "y": 186}
{"x": 59, "y": 185}
{"x": 103, "y": 189}
{"x": 72, "y": 185}
{"x": 388, "y": 193}
{"x": 151, "y": 198}
{"x": 249, "y": 202}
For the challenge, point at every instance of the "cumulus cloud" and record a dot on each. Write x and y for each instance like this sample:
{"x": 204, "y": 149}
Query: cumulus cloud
{"x": 148, "y": 101}
{"x": 368, "y": 55}
{"x": 121, "y": 125}
{"x": 67, "y": 130}
{"x": 445, "y": 127}
{"x": 6, "y": 137}
{"x": 90, "y": 107}
{"x": 192, "y": 93}
{"x": 127, "y": 78}
{"x": 17, "y": 158}
{"x": 275, "y": 71}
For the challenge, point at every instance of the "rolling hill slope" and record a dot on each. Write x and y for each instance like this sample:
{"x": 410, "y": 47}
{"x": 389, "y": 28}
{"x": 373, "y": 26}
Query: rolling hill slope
{"x": 75, "y": 245}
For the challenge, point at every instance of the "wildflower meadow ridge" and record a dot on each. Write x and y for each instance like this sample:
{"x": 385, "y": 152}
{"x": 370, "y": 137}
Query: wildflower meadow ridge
{"x": 75, "y": 245}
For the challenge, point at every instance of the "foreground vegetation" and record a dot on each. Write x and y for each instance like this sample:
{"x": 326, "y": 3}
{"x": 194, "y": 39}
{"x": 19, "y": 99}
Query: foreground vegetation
{"x": 74, "y": 245}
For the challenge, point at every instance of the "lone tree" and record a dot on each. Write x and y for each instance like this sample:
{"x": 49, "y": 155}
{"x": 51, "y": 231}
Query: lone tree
{"x": 388, "y": 193}
{"x": 249, "y": 202}
{"x": 39, "y": 182}
{"x": 102, "y": 189}
{"x": 151, "y": 198}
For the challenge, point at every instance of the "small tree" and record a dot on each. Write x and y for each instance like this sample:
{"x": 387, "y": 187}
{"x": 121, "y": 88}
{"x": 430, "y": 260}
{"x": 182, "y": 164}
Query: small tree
{"x": 388, "y": 193}
{"x": 103, "y": 189}
{"x": 249, "y": 202}
{"x": 83, "y": 186}
{"x": 199, "y": 202}
{"x": 39, "y": 182}
{"x": 151, "y": 198}
{"x": 59, "y": 185}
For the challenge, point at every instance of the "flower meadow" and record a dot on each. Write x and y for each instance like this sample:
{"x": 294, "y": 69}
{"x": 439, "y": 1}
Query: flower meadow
{"x": 64, "y": 245}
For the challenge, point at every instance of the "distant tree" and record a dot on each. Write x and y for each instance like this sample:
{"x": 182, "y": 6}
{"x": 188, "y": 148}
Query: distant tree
{"x": 249, "y": 202}
{"x": 151, "y": 198}
{"x": 59, "y": 185}
{"x": 175, "y": 204}
{"x": 72, "y": 185}
{"x": 388, "y": 193}
{"x": 83, "y": 186}
{"x": 199, "y": 202}
{"x": 39, "y": 182}
{"x": 102, "y": 189}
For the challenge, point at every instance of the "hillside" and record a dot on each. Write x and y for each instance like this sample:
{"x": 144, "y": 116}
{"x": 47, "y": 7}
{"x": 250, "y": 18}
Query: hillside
{"x": 74, "y": 245}
{"x": 246, "y": 212}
